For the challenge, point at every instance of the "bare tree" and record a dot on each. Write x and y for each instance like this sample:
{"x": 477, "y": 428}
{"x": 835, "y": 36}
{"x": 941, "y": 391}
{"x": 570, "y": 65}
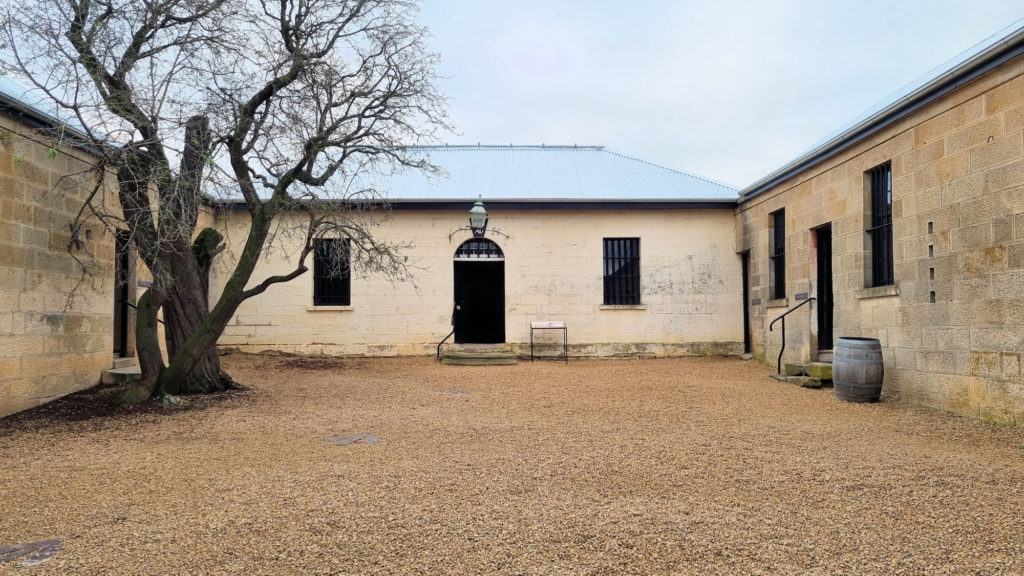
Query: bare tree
{"x": 282, "y": 104}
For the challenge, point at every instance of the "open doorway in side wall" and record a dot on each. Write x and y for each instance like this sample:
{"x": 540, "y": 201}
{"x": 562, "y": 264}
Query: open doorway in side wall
{"x": 747, "y": 336}
{"x": 124, "y": 295}
{"x": 479, "y": 293}
{"x": 823, "y": 260}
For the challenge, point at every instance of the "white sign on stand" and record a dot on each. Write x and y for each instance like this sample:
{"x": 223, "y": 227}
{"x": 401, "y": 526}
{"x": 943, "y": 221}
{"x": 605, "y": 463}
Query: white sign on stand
{"x": 548, "y": 325}
{"x": 551, "y": 325}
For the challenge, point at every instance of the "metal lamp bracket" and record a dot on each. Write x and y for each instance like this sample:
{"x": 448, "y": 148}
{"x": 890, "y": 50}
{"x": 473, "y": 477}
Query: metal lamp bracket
{"x": 470, "y": 230}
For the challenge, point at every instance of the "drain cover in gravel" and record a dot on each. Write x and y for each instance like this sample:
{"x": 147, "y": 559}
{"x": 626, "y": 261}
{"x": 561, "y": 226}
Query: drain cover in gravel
{"x": 353, "y": 438}
{"x": 32, "y": 553}
{"x": 457, "y": 392}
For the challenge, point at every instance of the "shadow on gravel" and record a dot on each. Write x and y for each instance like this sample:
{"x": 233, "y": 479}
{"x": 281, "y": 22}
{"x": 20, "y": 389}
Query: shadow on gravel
{"x": 97, "y": 404}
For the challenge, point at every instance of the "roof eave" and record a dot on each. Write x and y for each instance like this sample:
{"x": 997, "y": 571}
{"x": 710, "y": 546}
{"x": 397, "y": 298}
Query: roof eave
{"x": 985, "y": 61}
{"x": 539, "y": 203}
{"x": 38, "y": 119}
{"x": 578, "y": 200}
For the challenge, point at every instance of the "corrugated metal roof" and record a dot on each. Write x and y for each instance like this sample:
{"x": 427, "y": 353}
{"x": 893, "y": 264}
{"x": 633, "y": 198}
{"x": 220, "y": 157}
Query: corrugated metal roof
{"x": 28, "y": 101}
{"x": 35, "y": 106}
{"x": 1006, "y": 44}
{"x": 501, "y": 173}
{"x": 547, "y": 173}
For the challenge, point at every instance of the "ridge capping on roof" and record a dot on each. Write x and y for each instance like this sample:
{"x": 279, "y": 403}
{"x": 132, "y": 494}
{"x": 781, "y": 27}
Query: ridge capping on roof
{"x": 967, "y": 66}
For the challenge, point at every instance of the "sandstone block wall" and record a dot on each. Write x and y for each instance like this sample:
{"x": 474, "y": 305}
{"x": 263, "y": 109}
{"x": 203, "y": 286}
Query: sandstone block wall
{"x": 951, "y": 328}
{"x": 50, "y": 345}
{"x": 690, "y": 283}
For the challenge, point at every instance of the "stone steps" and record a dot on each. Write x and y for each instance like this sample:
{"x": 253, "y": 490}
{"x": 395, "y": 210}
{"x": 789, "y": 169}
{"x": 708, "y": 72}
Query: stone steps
{"x": 120, "y": 375}
{"x": 474, "y": 360}
{"x": 479, "y": 355}
{"x": 806, "y": 375}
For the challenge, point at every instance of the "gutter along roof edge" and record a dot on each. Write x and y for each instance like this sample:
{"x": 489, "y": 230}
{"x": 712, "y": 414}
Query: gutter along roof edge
{"x": 37, "y": 118}
{"x": 1001, "y": 50}
{"x": 532, "y": 204}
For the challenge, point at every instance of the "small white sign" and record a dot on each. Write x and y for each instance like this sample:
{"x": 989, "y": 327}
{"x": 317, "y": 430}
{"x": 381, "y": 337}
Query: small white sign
{"x": 548, "y": 324}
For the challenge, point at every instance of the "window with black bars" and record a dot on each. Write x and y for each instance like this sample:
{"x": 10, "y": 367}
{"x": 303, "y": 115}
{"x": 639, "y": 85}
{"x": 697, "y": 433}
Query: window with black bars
{"x": 621, "y": 271}
{"x": 777, "y": 254}
{"x": 881, "y": 225}
{"x": 332, "y": 285}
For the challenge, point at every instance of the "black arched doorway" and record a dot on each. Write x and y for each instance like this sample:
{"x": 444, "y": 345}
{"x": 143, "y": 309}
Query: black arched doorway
{"x": 479, "y": 293}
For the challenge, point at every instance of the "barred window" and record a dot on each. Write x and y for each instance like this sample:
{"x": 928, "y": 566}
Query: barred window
{"x": 621, "y": 271}
{"x": 777, "y": 255}
{"x": 880, "y": 230}
{"x": 332, "y": 285}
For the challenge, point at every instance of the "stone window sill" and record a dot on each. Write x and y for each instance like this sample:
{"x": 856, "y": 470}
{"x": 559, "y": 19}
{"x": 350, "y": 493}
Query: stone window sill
{"x": 622, "y": 307}
{"x": 329, "y": 308}
{"x": 777, "y": 303}
{"x": 879, "y": 291}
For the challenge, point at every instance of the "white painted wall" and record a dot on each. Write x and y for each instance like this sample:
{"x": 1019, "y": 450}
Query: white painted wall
{"x": 690, "y": 284}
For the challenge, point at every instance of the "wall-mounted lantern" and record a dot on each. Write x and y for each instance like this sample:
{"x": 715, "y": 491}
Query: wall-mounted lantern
{"x": 477, "y": 222}
{"x": 478, "y": 218}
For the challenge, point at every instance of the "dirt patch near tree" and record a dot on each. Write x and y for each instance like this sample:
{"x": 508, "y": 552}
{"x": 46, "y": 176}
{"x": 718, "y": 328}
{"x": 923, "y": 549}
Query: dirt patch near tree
{"x": 97, "y": 404}
{"x": 677, "y": 466}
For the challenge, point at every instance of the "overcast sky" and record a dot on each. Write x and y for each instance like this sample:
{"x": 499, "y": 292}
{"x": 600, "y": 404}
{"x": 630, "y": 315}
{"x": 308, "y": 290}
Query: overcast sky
{"x": 727, "y": 90}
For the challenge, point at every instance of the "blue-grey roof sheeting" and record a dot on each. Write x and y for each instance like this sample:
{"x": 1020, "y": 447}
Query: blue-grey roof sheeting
{"x": 28, "y": 101}
{"x": 547, "y": 173}
{"x": 36, "y": 107}
{"x": 1006, "y": 44}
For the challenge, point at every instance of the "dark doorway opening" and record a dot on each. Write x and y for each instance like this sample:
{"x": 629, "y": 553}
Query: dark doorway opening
{"x": 479, "y": 293}
{"x": 747, "y": 337}
{"x": 824, "y": 296}
{"x": 122, "y": 293}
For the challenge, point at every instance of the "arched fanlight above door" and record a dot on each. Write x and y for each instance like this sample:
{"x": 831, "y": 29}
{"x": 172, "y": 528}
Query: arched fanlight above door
{"x": 479, "y": 249}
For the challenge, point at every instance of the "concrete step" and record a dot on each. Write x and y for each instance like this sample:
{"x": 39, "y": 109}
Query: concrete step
{"x": 479, "y": 355}
{"x": 805, "y": 381}
{"x": 808, "y": 375}
{"x": 125, "y": 362}
{"x": 120, "y": 375}
{"x": 463, "y": 360}
{"x": 793, "y": 369}
{"x": 480, "y": 348}
{"x": 819, "y": 370}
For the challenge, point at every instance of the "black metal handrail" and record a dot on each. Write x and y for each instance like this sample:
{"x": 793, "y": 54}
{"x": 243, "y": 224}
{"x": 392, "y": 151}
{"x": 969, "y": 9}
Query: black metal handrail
{"x": 778, "y": 364}
{"x": 454, "y": 308}
{"x": 134, "y": 307}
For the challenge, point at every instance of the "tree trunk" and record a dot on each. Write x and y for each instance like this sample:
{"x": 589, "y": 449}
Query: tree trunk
{"x": 147, "y": 345}
{"x": 194, "y": 366}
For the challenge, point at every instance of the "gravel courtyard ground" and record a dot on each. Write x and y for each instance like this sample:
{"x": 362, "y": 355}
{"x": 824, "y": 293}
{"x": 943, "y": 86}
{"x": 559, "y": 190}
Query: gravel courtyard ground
{"x": 676, "y": 466}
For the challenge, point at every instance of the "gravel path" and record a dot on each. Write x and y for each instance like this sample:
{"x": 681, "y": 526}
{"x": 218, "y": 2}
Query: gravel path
{"x": 677, "y": 466}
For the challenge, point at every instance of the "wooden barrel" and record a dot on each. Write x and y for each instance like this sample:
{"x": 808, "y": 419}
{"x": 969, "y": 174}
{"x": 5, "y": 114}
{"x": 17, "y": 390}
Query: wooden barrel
{"x": 857, "y": 369}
